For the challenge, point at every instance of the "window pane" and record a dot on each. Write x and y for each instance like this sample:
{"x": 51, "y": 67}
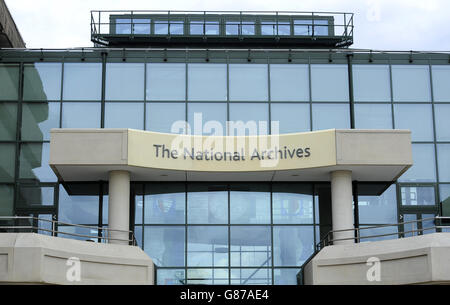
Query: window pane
{"x": 212, "y": 276}
{"x": 8, "y": 121}
{"x": 284, "y": 28}
{"x": 441, "y": 81}
{"x": 291, "y": 117}
{"x": 329, "y": 83}
{"x": 268, "y": 28}
{"x": 285, "y": 276}
{"x": 30, "y": 196}
{"x": 289, "y": 82}
{"x": 250, "y": 276}
{"x": 42, "y": 82}
{"x": 165, "y": 245}
{"x": 443, "y": 154}
{"x": 411, "y": 83}
{"x": 329, "y": 116}
{"x": 371, "y": 83}
{"x": 170, "y": 277}
{"x": 6, "y": 199}
{"x": 424, "y": 168}
{"x": 292, "y": 245}
{"x": 161, "y": 116}
{"x": 38, "y": 119}
{"x": 90, "y": 234}
{"x": 9, "y": 82}
{"x": 248, "y": 82}
{"x": 418, "y": 195}
{"x": 81, "y": 115}
{"x": 196, "y": 28}
{"x": 123, "y": 26}
{"x": 207, "y": 118}
{"x": 253, "y": 115}
{"x": 207, "y": 204}
{"x": 176, "y": 27}
{"x": 380, "y": 209}
{"x": 442, "y": 120}
{"x": 7, "y": 162}
{"x": 34, "y": 162}
{"x": 166, "y": 82}
{"x": 165, "y": 204}
{"x": 248, "y": 28}
{"x": 124, "y": 81}
{"x": 82, "y": 81}
{"x": 232, "y": 28}
{"x": 373, "y": 116}
{"x": 392, "y": 231}
{"x": 250, "y": 246}
{"x": 249, "y": 204}
{"x": 78, "y": 208}
{"x": 124, "y": 115}
{"x": 444, "y": 193}
{"x": 417, "y": 118}
{"x": 138, "y": 235}
{"x": 161, "y": 27}
{"x": 207, "y": 82}
{"x": 207, "y": 246}
{"x": 292, "y": 204}
{"x": 141, "y": 26}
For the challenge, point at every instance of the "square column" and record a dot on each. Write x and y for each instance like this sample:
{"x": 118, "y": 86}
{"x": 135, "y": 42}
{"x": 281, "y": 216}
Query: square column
{"x": 341, "y": 206}
{"x": 119, "y": 207}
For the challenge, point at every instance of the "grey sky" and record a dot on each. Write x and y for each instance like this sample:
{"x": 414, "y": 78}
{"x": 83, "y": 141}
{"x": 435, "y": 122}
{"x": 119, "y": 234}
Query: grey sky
{"x": 379, "y": 24}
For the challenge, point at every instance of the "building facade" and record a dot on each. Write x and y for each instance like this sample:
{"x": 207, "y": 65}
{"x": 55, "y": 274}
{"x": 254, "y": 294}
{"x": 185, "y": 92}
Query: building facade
{"x": 223, "y": 232}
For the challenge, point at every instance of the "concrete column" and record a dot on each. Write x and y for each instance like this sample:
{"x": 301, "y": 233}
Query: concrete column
{"x": 341, "y": 205}
{"x": 119, "y": 206}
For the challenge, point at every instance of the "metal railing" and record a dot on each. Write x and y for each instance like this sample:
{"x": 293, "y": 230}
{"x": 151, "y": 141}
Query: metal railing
{"x": 30, "y": 224}
{"x": 329, "y": 239}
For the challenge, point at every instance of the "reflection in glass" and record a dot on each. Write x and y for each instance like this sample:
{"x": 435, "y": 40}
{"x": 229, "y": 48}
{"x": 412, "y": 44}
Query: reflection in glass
{"x": 424, "y": 166}
{"x": 329, "y": 116}
{"x": 81, "y": 115}
{"x": 253, "y": 115}
{"x": 411, "y": 83}
{"x": 418, "y": 195}
{"x": 373, "y": 116}
{"x": 249, "y": 204}
{"x": 78, "y": 208}
{"x": 306, "y": 28}
{"x": 123, "y": 26}
{"x": 248, "y": 82}
{"x": 289, "y": 82}
{"x": 170, "y": 277}
{"x": 160, "y": 117}
{"x": 34, "y": 159}
{"x": 213, "y": 276}
{"x": 165, "y": 245}
{"x": 8, "y": 121}
{"x": 417, "y": 118}
{"x": 381, "y": 209}
{"x": 292, "y": 245}
{"x": 124, "y": 115}
{"x": 443, "y": 155}
{"x": 442, "y": 121}
{"x": 371, "y": 83}
{"x": 207, "y": 204}
{"x": 124, "y": 81}
{"x": 82, "y": 81}
{"x": 441, "y": 79}
{"x": 42, "y": 82}
{"x": 7, "y": 162}
{"x": 207, "y": 246}
{"x": 166, "y": 82}
{"x": 213, "y": 118}
{"x": 141, "y": 26}
{"x": 6, "y": 200}
{"x": 38, "y": 119}
{"x": 329, "y": 83}
{"x": 250, "y": 276}
{"x": 290, "y": 117}
{"x": 30, "y": 196}
{"x": 207, "y": 82}
{"x": 292, "y": 203}
{"x": 9, "y": 82}
{"x": 165, "y": 204}
{"x": 250, "y": 246}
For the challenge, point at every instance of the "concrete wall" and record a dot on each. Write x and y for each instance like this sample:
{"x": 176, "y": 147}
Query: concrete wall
{"x": 9, "y": 34}
{"x": 28, "y": 258}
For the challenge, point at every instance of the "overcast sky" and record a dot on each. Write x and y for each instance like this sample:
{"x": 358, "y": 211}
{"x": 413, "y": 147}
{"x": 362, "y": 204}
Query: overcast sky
{"x": 379, "y": 24}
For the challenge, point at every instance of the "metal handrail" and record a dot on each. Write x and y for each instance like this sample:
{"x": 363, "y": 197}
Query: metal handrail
{"x": 54, "y": 232}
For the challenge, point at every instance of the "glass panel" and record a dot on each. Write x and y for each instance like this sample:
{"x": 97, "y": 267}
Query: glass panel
{"x": 34, "y": 159}
{"x": 38, "y": 119}
{"x": 123, "y": 26}
{"x": 79, "y": 208}
{"x": 124, "y": 115}
{"x": 303, "y": 27}
{"x": 444, "y": 193}
{"x": 124, "y": 81}
{"x": 176, "y": 27}
{"x": 441, "y": 79}
{"x": 443, "y": 154}
{"x": 253, "y": 117}
{"x": 7, "y": 162}
{"x": 165, "y": 245}
{"x": 9, "y": 82}
{"x": 161, "y": 116}
{"x": 428, "y": 224}
{"x": 371, "y": 83}
{"x": 165, "y": 203}
{"x": 424, "y": 166}
{"x": 170, "y": 277}
{"x": 418, "y": 195}
{"x": 250, "y": 246}
{"x": 166, "y": 82}
{"x": 232, "y": 28}
{"x": 8, "y": 121}
{"x": 207, "y": 118}
{"x": 81, "y": 115}
{"x": 248, "y": 82}
{"x": 105, "y": 204}
{"x": 292, "y": 245}
{"x": 292, "y": 203}
{"x": 138, "y": 209}
{"x": 207, "y": 204}
{"x": 378, "y": 231}
{"x": 6, "y": 200}
{"x": 268, "y": 28}
{"x": 30, "y": 196}
{"x": 161, "y": 27}
{"x": 250, "y": 203}
{"x": 248, "y": 28}
{"x": 250, "y": 276}
{"x": 329, "y": 83}
{"x": 408, "y": 227}
{"x": 381, "y": 209}
{"x": 207, "y": 82}
{"x": 442, "y": 121}
{"x": 373, "y": 116}
{"x": 289, "y": 82}
{"x": 207, "y": 276}
{"x": 42, "y": 82}
{"x": 285, "y": 276}
{"x": 284, "y": 28}
{"x": 90, "y": 234}
{"x": 291, "y": 117}
{"x": 329, "y": 116}
{"x": 82, "y": 81}
{"x": 138, "y": 235}
{"x": 45, "y": 224}
{"x": 417, "y": 118}
{"x": 141, "y": 26}
{"x": 207, "y": 246}
{"x": 411, "y": 83}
